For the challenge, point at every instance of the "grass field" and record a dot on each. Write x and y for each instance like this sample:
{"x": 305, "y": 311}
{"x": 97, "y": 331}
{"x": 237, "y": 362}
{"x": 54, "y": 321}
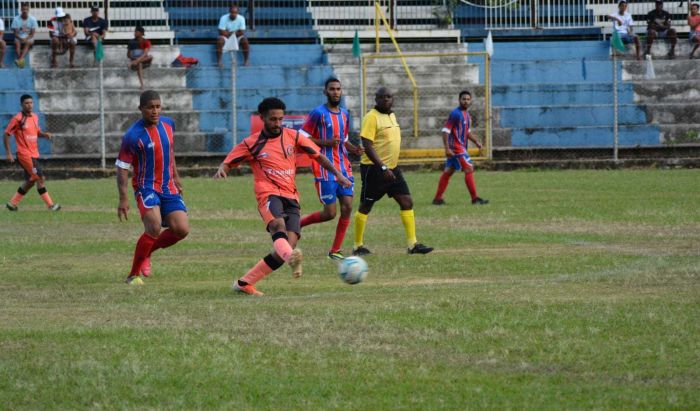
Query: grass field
{"x": 572, "y": 289}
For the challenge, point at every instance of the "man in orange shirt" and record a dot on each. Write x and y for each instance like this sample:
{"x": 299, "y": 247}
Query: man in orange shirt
{"x": 25, "y": 127}
{"x": 272, "y": 157}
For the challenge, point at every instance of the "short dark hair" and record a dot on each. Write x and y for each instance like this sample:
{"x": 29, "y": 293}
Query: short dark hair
{"x": 463, "y": 92}
{"x": 329, "y": 81}
{"x": 233, "y": 6}
{"x": 270, "y": 103}
{"x": 695, "y": 4}
{"x": 25, "y": 97}
{"x": 147, "y": 96}
{"x": 24, "y": 5}
{"x": 141, "y": 29}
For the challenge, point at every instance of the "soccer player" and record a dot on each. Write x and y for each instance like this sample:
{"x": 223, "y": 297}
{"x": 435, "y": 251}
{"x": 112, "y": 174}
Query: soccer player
{"x": 148, "y": 147}
{"x": 328, "y": 126}
{"x": 381, "y": 137}
{"x": 455, "y": 134}
{"x": 272, "y": 157}
{"x": 25, "y": 127}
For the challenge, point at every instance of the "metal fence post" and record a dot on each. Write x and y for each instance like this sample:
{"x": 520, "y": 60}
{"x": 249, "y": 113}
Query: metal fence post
{"x": 615, "y": 107}
{"x": 234, "y": 109}
{"x": 103, "y": 149}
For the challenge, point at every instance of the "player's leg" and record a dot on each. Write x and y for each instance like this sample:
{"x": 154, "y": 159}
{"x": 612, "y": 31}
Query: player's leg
{"x": 139, "y": 73}
{"x": 401, "y": 194}
{"x": 30, "y": 178}
{"x": 174, "y": 215}
{"x": 342, "y": 227}
{"x": 148, "y": 203}
{"x": 326, "y": 194}
{"x": 467, "y": 166}
{"x": 444, "y": 181}
{"x": 373, "y": 188}
{"x": 26, "y": 44}
{"x": 41, "y": 187}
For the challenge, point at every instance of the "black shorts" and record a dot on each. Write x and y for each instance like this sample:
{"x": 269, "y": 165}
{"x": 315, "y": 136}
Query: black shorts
{"x": 374, "y": 186}
{"x": 287, "y": 208}
{"x": 31, "y": 168}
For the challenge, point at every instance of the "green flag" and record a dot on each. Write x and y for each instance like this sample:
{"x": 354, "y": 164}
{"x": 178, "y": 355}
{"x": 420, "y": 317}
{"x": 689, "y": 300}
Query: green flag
{"x": 99, "y": 51}
{"x": 356, "y": 52}
{"x": 616, "y": 42}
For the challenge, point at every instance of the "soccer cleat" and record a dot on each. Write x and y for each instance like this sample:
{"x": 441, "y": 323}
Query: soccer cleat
{"x": 295, "y": 262}
{"x": 134, "y": 280}
{"x": 146, "y": 267}
{"x": 246, "y": 289}
{"x": 361, "y": 250}
{"x": 11, "y": 207}
{"x": 337, "y": 255}
{"x": 479, "y": 201}
{"x": 438, "y": 201}
{"x": 419, "y": 248}
{"x": 55, "y": 207}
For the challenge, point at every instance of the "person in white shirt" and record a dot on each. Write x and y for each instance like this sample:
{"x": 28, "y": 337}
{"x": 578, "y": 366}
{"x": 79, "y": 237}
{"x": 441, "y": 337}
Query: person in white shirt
{"x": 623, "y": 23}
{"x": 2, "y": 43}
{"x": 24, "y": 26}
{"x": 232, "y": 24}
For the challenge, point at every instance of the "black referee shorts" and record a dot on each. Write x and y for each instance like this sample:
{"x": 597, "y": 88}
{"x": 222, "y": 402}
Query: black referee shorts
{"x": 374, "y": 186}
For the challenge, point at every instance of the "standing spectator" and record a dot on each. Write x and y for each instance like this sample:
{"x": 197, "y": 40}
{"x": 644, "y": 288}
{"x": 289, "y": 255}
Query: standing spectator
{"x": 24, "y": 26}
{"x": 623, "y": 23}
{"x": 232, "y": 24}
{"x": 2, "y": 43}
{"x": 659, "y": 26}
{"x": 94, "y": 27}
{"x": 25, "y": 127}
{"x": 694, "y": 23}
{"x": 63, "y": 36}
{"x": 137, "y": 52}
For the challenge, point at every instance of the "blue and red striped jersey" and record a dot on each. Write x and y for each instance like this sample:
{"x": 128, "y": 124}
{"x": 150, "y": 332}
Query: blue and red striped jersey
{"x": 324, "y": 124}
{"x": 457, "y": 126}
{"x": 149, "y": 150}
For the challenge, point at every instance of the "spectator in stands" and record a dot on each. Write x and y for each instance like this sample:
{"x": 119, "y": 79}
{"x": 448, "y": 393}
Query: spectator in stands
{"x": 2, "y": 43}
{"x": 623, "y": 23}
{"x": 137, "y": 52}
{"x": 694, "y": 23}
{"x": 659, "y": 26}
{"x": 232, "y": 24}
{"x": 24, "y": 27}
{"x": 63, "y": 36}
{"x": 94, "y": 27}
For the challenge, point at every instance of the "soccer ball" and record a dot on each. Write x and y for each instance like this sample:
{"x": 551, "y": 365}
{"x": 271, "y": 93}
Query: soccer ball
{"x": 352, "y": 270}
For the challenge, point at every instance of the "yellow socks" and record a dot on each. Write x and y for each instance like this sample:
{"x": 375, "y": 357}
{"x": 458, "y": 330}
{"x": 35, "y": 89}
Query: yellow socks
{"x": 360, "y": 222}
{"x": 409, "y": 225}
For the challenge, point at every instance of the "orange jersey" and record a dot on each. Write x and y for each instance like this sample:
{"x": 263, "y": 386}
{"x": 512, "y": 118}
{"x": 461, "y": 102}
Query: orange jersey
{"x": 26, "y": 131}
{"x": 273, "y": 161}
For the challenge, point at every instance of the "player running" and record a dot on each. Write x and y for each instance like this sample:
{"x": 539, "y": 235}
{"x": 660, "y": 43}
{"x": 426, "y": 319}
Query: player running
{"x": 455, "y": 134}
{"x": 25, "y": 127}
{"x": 328, "y": 126}
{"x": 148, "y": 147}
{"x": 272, "y": 157}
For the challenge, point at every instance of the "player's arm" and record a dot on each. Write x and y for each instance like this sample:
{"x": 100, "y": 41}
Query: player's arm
{"x": 471, "y": 136}
{"x": 353, "y": 149}
{"x": 45, "y": 135}
{"x": 446, "y": 144}
{"x": 326, "y": 163}
{"x": 8, "y": 153}
{"x": 371, "y": 153}
{"x": 238, "y": 155}
{"x": 176, "y": 175}
{"x": 122, "y": 188}
{"x": 325, "y": 143}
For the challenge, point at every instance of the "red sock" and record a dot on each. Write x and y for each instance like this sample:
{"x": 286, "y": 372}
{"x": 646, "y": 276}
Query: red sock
{"x": 442, "y": 185}
{"x": 312, "y": 218}
{"x": 340, "y": 230}
{"x": 165, "y": 240}
{"x": 142, "y": 251}
{"x": 471, "y": 184}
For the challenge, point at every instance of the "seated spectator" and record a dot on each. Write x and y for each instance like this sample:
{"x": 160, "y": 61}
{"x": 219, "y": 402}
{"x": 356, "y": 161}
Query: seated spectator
{"x": 94, "y": 27}
{"x": 659, "y": 26}
{"x": 623, "y": 23}
{"x": 138, "y": 53}
{"x": 2, "y": 43}
{"x": 232, "y": 24}
{"x": 63, "y": 36}
{"x": 694, "y": 23}
{"x": 24, "y": 27}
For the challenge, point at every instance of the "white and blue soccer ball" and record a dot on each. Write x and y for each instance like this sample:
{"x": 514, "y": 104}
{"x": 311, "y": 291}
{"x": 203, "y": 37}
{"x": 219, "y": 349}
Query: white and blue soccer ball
{"x": 352, "y": 270}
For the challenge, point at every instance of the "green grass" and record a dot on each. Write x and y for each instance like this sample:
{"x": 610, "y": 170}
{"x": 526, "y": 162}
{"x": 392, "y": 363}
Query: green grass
{"x": 573, "y": 289}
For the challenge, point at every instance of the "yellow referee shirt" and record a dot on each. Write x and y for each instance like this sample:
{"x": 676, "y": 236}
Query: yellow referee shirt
{"x": 384, "y": 131}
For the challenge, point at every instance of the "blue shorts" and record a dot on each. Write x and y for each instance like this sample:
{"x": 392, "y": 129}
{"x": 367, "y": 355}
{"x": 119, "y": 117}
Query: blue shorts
{"x": 627, "y": 38}
{"x": 147, "y": 198}
{"x": 693, "y": 35}
{"x": 456, "y": 161}
{"x": 328, "y": 191}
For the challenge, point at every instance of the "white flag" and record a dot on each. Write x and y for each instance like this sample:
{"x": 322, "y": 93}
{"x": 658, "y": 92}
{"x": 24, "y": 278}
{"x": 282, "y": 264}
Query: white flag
{"x": 231, "y": 43}
{"x": 649, "y": 72}
{"x": 488, "y": 44}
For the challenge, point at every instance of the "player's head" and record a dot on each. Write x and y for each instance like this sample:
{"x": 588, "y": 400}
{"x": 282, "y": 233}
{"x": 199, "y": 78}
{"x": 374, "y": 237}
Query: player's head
{"x": 233, "y": 11}
{"x": 271, "y": 112}
{"x": 150, "y": 106}
{"x": 333, "y": 91}
{"x": 384, "y": 99}
{"x": 694, "y": 8}
{"x": 659, "y": 5}
{"x": 465, "y": 99}
{"x": 622, "y": 6}
{"x": 27, "y": 103}
{"x": 24, "y": 10}
{"x": 139, "y": 32}
{"x": 94, "y": 11}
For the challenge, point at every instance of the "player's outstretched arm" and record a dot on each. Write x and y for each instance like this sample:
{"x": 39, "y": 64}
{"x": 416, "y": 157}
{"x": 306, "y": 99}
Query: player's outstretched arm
{"x": 325, "y": 163}
{"x": 222, "y": 171}
{"x": 122, "y": 184}
{"x": 45, "y": 135}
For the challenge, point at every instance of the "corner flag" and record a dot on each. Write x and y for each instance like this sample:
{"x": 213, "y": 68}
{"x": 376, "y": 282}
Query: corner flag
{"x": 356, "y": 51}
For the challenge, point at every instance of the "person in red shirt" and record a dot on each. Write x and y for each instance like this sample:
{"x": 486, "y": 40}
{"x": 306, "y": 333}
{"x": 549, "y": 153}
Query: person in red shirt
{"x": 137, "y": 52}
{"x": 272, "y": 157}
{"x": 25, "y": 127}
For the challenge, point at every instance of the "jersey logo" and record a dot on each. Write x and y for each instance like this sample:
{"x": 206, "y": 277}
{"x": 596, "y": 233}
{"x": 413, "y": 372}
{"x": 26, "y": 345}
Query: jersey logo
{"x": 263, "y": 155}
{"x": 151, "y": 144}
{"x": 290, "y": 150}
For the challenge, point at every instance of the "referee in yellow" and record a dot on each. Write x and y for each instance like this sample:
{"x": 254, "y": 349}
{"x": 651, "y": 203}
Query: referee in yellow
{"x": 381, "y": 138}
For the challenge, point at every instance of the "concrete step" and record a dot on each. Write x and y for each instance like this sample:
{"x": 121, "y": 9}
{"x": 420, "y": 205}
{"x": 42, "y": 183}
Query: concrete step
{"x": 545, "y": 50}
{"x": 552, "y": 71}
{"x": 678, "y": 69}
{"x": 260, "y": 54}
{"x": 673, "y": 113}
{"x": 680, "y": 133}
{"x": 653, "y": 91}
{"x": 115, "y": 56}
{"x": 425, "y": 75}
{"x": 301, "y": 98}
{"x": 259, "y": 77}
{"x": 12, "y": 78}
{"x": 87, "y": 124}
{"x": 406, "y": 47}
{"x": 560, "y": 94}
{"x": 570, "y": 116}
{"x": 115, "y": 100}
{"x": 597, "y": 136}
{"x": 114, "y": 78}
{"x": 661, "y": 48}
{"x": 412, "y": 58}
